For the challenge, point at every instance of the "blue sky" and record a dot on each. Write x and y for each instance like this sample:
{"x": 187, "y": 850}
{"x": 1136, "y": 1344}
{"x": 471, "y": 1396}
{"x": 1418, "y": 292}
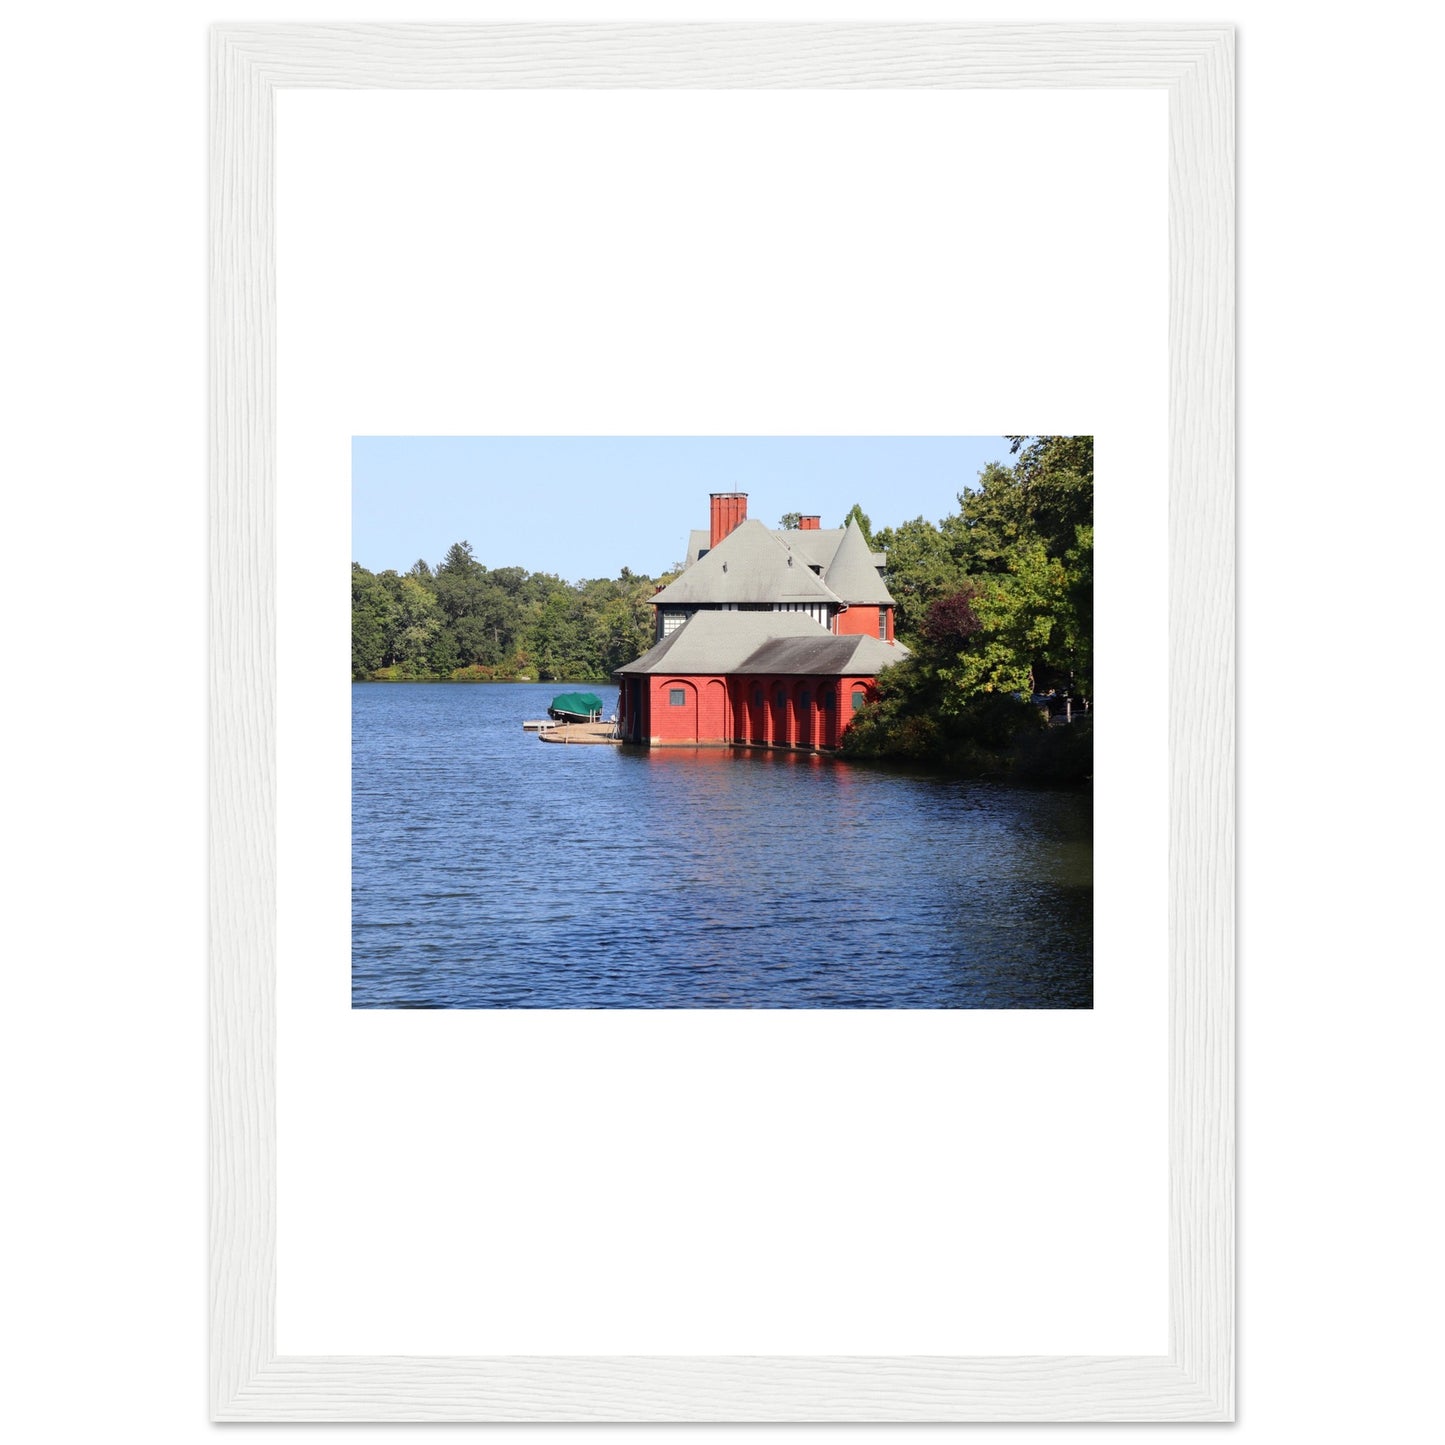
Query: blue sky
{"x": 589, "y": 506}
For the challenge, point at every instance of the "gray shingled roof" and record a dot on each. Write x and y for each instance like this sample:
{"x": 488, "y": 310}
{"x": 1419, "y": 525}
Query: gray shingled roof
{"x": 787, "y": 643}
{"x": 828, "y": 656}
{"x": 814, "y": 546}
{"x": 748, "y": 565}
{"x": 722, "y": 641}
{"x": 852, "y": 573}
{"x": 698, "y": 541}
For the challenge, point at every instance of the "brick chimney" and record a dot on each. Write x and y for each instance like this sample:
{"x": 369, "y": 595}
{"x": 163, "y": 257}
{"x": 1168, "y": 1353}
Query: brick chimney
{"x": 810, "y": 524}
{"x": 728, "y": 510}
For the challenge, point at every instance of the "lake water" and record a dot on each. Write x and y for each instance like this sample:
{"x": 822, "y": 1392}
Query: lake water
{"x": 492, "y": 870}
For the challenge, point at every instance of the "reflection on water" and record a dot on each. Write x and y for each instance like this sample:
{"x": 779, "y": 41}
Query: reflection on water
{"x": 491, "y": 870}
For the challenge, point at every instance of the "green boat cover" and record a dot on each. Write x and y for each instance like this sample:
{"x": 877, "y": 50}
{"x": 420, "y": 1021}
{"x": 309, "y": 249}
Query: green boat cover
{"x": 578, "y": 704}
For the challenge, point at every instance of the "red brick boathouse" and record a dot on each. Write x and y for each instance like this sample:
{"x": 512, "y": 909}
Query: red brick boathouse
{"x": 770, "y": 638}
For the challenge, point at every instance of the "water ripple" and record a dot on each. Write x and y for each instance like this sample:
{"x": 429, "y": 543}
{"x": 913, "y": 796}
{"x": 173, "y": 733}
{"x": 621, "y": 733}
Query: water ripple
{"x": 490, "y": 870}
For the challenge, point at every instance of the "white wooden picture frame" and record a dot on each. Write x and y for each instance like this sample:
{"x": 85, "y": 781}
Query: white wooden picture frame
{"x": 250, "y": 1381}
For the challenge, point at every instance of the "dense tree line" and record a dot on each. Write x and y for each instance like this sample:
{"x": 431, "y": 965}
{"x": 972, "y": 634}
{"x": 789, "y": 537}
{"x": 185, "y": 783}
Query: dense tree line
{"x": 465, "y": 622}
{"x": 996, "y": 602}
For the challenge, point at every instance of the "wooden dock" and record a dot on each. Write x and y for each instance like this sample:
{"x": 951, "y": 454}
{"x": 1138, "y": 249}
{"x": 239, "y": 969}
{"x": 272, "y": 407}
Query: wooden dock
{"x": 588, "y": 732}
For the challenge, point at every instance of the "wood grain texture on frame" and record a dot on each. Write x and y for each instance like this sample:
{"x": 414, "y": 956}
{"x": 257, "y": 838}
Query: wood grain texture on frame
{"x": 249, "y": 1381}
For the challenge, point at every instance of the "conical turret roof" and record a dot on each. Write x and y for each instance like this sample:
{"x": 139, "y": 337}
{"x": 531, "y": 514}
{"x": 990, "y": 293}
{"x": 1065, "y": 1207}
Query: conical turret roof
{"x": 853, "y": 574}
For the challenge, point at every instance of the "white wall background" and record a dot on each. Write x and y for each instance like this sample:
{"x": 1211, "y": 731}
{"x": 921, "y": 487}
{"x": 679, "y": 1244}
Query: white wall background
{"x": 983, "y": 1121}
{"x": 102, "y": 1048}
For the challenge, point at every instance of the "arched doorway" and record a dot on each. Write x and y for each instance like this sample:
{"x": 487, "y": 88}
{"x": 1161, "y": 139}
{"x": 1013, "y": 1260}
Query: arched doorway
{"x": 805, "y": 715}
{"x": 713, "y": 723}
{"x": 778, "y": 698}
{"x": 828, "y": 715}
{"x": 674, "y": 718}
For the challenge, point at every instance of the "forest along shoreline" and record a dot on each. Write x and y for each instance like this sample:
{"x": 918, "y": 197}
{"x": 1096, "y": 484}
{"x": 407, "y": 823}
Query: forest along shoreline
{"x": 995, "y": 602}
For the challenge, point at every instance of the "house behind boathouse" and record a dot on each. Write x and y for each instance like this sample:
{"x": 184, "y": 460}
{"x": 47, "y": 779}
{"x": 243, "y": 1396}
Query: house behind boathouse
{"x": 772, "y": 638}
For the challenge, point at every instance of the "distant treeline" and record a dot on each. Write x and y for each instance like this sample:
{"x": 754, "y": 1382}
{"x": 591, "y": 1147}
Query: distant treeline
{"x": 997, "y": 603}
{"x": 463, "y": 622}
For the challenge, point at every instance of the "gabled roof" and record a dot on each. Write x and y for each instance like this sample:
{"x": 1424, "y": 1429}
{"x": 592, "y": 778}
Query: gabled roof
{"x": 749, "y": 565}
{"x": 716, "y": 642}
{"x": 853, "y": 574}
{"x": 815, "y": 545}
{"x": 786, "y": 643}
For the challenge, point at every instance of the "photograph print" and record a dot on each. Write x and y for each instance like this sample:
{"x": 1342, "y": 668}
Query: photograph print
{"x": 722, "y": 722}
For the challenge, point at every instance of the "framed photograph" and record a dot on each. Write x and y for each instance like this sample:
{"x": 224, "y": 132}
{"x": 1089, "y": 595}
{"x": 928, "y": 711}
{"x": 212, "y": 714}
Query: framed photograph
{"x": 681, "y": 946}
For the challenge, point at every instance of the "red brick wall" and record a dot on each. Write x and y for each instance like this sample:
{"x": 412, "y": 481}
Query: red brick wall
{"x": 749, "y": 715}
{"x": 805, "y": 712}
{"x": 717, "y": 711}
{"x": 703, "y": 719}
{"x": 849, "y": 686}
{"x": 830, "y": 718}
{"x": 669, "y": 724}
{"x": 714, "y": 717}
{"x": 858, "y": 621}
{"x": 862, "y": 621}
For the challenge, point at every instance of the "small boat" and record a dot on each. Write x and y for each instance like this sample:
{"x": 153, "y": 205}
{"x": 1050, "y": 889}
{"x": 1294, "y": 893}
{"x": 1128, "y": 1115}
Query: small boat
{"x": 575, "y": 707}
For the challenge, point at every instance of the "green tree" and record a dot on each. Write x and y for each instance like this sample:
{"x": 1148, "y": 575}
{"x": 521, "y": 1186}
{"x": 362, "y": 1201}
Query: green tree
{"x": 991, "y": 520}
{"x": 419, "y": 622}
{"x": 995, "y": 602}
{"x": 373, "y": 620}
{"x": 461, "y": 584}
{"x": 1055, "y": 477}
{"x": 459, "y": 561}
{"x": 921, "y": 568}
{"x": 1017, "y": 611}
{"x": 443, "y": 656}
{"x": 790, "y": 521}
{"x": 857, "y": 514}
{"x": 478, "y": 642}
{"x": 557, "y": 639}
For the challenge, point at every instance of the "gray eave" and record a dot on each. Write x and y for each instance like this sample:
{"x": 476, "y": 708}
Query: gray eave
{"x": 721, "y": 642}
{"x": 749, "y": 643}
